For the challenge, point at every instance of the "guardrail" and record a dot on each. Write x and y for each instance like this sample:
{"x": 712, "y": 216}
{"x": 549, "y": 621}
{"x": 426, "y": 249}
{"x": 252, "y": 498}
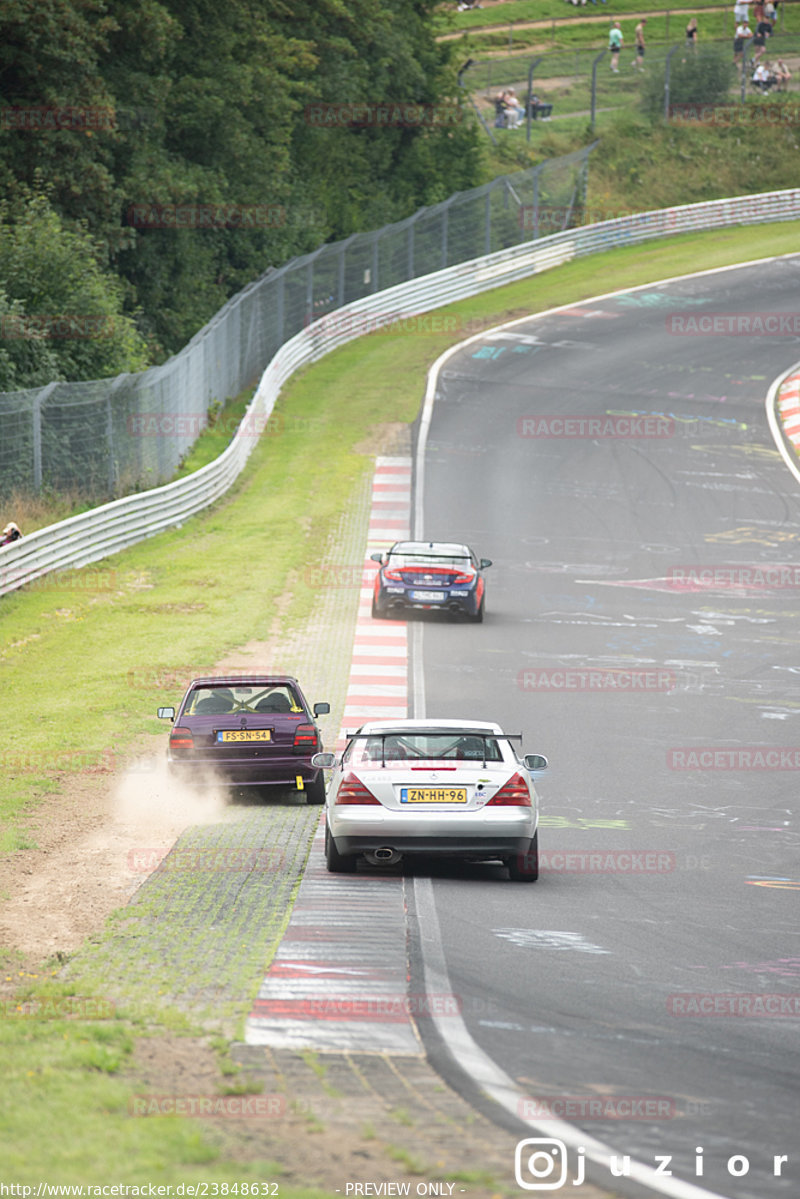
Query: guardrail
{"x": 94, "y": 535}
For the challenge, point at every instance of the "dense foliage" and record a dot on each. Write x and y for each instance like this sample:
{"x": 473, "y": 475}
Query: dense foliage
{"x": 116, "y": 113}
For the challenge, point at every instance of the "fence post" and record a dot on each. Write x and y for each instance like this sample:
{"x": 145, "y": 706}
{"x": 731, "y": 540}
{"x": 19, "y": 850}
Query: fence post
{"x": 487, "y": 238}
{"x": 747, "y": 46}
{"x": 37, "y": 434}
{"x": 595, "y": 64}
{"x": 445, "y": 234}
{"x": 112, "y": 471}
{"x": 534, "y": 62}
{"x": 667, "y": 69}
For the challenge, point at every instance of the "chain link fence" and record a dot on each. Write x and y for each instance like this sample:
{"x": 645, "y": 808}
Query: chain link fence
{"x": 110, "y": 437}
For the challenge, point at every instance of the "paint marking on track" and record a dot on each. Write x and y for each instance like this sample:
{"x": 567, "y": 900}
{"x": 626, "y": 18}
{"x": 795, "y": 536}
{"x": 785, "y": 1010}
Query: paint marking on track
{"x": 339, "y": 979}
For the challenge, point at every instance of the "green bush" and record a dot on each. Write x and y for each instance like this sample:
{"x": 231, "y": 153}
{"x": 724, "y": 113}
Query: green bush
{"x": 703, "y": 76}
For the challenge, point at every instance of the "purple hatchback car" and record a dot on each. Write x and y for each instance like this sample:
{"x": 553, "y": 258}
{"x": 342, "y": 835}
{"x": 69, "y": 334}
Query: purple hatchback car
{"x": 250, "y": 730}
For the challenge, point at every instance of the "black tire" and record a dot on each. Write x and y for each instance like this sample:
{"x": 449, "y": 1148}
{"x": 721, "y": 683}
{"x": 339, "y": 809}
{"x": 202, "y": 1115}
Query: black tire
{"x": 478, "y": 617}
{"x": 315, "y": 792}
{"x": 336, "y": 862}
{"x": 376, "y": 612}
{"x": 524, "y": 868}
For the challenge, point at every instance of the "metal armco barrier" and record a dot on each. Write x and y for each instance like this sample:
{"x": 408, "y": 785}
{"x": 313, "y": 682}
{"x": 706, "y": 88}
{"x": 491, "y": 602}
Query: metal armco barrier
{"x": 106, "y": 530}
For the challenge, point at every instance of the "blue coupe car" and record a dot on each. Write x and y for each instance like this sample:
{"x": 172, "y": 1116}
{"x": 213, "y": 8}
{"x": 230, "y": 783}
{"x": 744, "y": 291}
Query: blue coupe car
{"x": 430, "y": 575}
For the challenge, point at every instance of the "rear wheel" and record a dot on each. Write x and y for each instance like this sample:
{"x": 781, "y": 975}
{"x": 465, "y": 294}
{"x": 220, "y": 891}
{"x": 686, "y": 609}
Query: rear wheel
{"x": 524, "y": 868}
{"x": 337, "y": 863}
{"x": 478, "y": 617}
{"x": 315, "y": 791}
{"x": 376, "y": 612}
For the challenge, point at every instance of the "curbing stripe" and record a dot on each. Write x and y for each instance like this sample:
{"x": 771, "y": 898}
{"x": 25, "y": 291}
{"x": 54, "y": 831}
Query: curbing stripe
{"x": 338, "y": 981}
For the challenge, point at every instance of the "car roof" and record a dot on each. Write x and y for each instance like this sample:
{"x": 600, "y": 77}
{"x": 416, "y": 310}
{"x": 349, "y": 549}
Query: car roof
{"x": 450, "y": 548}
{"x": 244, "y": 680}
{"x": 420, "y": 726}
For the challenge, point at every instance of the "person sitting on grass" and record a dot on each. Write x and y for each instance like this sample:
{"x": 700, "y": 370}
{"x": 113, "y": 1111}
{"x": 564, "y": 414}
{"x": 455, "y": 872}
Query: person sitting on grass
{"x": 782, "y": 74}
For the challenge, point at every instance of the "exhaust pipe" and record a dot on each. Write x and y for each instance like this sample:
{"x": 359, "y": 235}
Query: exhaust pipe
{"x": 386, "y": 856}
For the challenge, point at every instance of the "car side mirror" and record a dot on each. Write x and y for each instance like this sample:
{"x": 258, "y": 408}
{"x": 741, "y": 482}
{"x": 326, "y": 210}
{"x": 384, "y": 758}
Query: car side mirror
{"x": 376, "y": 558}
{"x": 324, "y": 761}
{"x": 485, "y": 562}
{"x": 535, "y": 762}
{"x": 321, "y": 709}
{"x": 166, "y": 713}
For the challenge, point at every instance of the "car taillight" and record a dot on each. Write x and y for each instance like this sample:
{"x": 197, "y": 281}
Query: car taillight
{"x": 181, "y": 739}
{"x": 514, "y": 794}
{"x": 352, "y": 790}
{"x": 305, "y": 737}
{"x": 465, "y": 576}
{"x": 396, "y": 576}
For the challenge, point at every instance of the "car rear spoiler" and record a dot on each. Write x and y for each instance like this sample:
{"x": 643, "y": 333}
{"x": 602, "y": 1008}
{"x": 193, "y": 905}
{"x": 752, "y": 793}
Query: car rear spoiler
{"x": 430, "y": 730}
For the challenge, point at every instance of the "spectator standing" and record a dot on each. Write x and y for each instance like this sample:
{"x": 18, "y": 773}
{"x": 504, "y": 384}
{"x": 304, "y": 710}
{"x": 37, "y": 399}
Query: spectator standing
{"x": 615, "y": 45}
{"x": 741, "y": 11}
{"x": 763, "y": 31}
{"x": 770, "y": 13}
{"x": 638, "y": 33}
{"x": 742, "y": 35}
{"x": 691, "y": 34}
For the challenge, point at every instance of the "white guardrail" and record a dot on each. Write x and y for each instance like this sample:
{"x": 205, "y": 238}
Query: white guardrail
{"x": 94, "y": 535}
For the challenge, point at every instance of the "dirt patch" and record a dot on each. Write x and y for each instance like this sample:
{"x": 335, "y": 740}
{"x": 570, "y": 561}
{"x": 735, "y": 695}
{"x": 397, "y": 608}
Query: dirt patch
{"x": 331, "y": 1119}
{"x": 88, "y": 857}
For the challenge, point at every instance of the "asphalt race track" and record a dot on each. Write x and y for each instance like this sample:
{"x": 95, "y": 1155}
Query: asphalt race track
{"x": 655, "y": 964}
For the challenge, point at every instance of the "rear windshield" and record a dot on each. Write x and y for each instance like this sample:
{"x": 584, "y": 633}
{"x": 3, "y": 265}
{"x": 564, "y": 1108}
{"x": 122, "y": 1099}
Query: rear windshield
{"x": 220, "y": 701}
{"x": 429, "y": 560}
{"x": 424, "y": 747}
